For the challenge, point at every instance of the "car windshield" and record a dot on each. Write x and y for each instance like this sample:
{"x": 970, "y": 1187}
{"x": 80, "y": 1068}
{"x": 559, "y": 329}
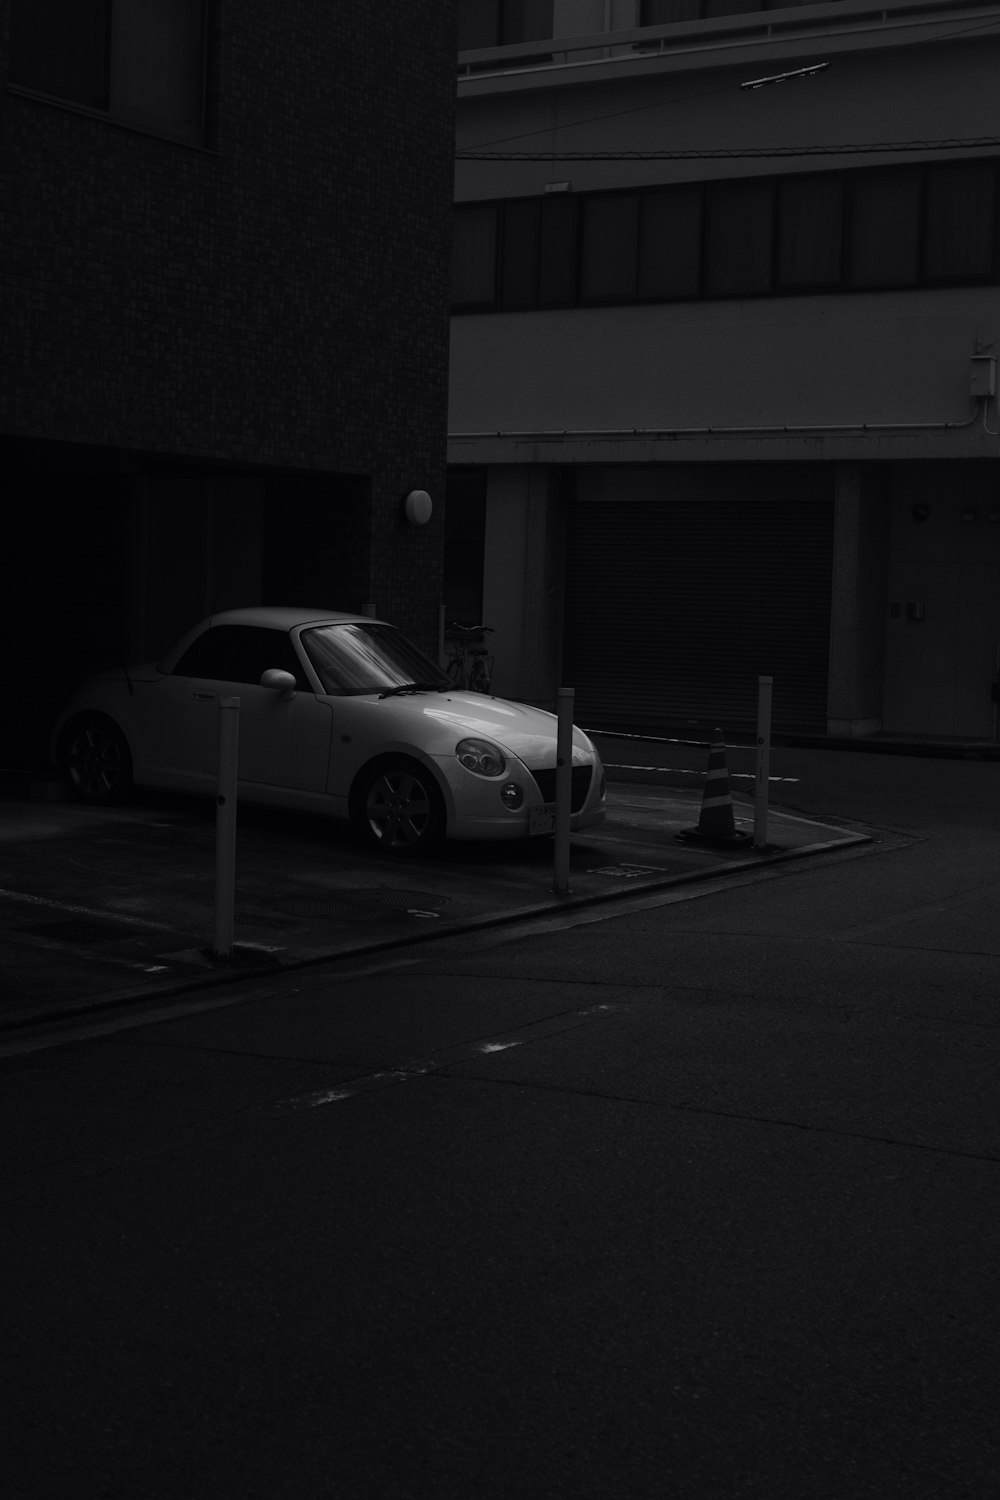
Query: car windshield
{"x": 366, "y": 657}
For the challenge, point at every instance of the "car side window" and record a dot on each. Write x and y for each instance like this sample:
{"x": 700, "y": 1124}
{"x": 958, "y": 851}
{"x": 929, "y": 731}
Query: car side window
{"x": 239, "y": 653}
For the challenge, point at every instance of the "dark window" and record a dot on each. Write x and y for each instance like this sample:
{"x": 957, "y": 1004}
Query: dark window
{"x": 538, "y": 260}
{"x": 663, "y": 12}
{"x": 729, "y": 7}
{"x": 557, "y": 252}
{"x": 828, "y": 231}
{"x": 738, "y": 232}
{"x": 810, "y": 231}
{"x": 670, "y": 243}
{"x": 478, "y": 24}
{"x": 141, "y": 60}
{"x": 499, "y": 23}
{"x": 519, "y": 259}
{"x": 608, "y": 248}
{"x": 960, "y": 214}
{"x": 239, "y": 653}
{"x": 60, "y": 47}
{"x": 157, "y": 63}
{"x": 885, "y": 226}
{"x": 525, "y": 21}
{"x": 474, "y": 256}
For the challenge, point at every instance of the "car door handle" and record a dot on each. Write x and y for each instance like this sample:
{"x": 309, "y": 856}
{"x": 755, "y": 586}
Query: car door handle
{"x": 209, "y": 696}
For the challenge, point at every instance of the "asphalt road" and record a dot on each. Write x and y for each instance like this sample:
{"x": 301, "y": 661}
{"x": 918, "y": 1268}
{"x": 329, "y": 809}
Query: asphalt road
{"x": 692, "y": 1197}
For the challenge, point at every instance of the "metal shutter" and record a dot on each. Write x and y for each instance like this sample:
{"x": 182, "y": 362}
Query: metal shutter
{"x": 674, "y": 607}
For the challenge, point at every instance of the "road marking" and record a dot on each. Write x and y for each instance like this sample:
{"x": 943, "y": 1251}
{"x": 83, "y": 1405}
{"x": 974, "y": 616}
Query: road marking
{"x": 85, "y": 911}
{"x": 448, "y": 1057}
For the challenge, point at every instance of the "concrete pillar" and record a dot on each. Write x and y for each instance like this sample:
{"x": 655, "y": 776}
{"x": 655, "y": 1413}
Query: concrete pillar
{"x": 544, "y": 570}
{"x": 505, "y": 551}
{"x": 523, "y": 578}
{"x": 858, "y": 600}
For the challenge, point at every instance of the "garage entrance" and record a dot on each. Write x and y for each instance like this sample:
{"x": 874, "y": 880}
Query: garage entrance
{"x": 686, "y": 583}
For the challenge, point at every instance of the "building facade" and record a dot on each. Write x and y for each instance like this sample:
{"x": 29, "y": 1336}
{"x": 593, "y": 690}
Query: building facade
{"x": 726, "y": 318}
{"x": 225, "y": 278}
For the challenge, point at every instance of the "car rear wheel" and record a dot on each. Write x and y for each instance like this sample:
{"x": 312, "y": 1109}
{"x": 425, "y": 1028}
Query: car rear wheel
{"x": 399, "y": 808}
{"x": 96, "y": 758}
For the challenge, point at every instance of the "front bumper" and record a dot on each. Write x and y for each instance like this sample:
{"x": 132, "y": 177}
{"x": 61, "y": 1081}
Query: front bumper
{"x": 476, "y": 811}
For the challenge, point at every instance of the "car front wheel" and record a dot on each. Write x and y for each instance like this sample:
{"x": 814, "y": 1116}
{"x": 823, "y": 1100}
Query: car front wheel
{"x": 96, "y": 759}
{"x": 399, "y": 809}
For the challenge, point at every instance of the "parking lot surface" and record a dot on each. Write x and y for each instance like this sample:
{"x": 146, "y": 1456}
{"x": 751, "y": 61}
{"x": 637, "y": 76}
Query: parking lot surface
{"x": 98, "y": 907}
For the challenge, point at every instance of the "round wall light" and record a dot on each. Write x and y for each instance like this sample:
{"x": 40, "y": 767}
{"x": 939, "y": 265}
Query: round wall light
{"x": 418, "y": 507}
{"x": 920, "y": 511}
{"x": 970, "y": 513}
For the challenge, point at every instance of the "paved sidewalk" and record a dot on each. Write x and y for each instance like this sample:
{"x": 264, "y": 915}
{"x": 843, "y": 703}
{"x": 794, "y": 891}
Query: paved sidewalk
{"x": 103, "y": 907}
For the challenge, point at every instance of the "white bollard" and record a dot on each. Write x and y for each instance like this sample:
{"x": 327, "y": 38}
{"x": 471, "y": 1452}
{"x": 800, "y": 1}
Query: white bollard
{"x": 225, "y": 827}
{"x": 765, "y": 687}
{"x": 564, "y": 786}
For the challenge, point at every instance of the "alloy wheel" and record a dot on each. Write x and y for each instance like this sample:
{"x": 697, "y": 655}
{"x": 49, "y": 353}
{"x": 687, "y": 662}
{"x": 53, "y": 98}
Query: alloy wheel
{"x": 97, "y": 763}
{"x": 400, "y": 811}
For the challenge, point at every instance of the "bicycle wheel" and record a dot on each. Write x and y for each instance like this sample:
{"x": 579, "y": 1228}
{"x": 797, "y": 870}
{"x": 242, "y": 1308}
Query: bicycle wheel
{"x": 456, "y": 671}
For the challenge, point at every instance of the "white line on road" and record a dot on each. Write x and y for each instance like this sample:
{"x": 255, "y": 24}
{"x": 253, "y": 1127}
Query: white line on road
{"x": 84, "y": 911}
{"x": 687, "y": 771}
{"x": 463, "y": 1052}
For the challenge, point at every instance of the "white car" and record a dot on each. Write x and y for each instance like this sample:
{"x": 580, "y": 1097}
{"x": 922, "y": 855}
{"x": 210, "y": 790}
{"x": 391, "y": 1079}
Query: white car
{"x": 339, "y": 715}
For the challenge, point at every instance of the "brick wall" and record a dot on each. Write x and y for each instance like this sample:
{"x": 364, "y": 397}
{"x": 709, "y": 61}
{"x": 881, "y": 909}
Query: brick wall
{"x": 277, "y": 298}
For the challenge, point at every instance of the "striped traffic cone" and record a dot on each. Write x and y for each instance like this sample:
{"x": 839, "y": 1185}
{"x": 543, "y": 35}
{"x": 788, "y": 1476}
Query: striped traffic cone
{"x": 717, "y": 825}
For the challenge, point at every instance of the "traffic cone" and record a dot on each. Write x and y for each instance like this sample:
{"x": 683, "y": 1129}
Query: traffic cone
{"x": 717, "y": 825}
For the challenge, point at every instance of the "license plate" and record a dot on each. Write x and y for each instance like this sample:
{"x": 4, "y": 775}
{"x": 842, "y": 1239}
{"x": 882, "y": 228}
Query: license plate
{"x": 542, "y": 819}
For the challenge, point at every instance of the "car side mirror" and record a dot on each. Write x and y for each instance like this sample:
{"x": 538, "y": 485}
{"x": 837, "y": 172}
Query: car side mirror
{"x": 279, "y": 681}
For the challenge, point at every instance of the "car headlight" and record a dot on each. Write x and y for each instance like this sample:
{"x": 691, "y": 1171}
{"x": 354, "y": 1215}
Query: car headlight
{"x": 481, "y": 757}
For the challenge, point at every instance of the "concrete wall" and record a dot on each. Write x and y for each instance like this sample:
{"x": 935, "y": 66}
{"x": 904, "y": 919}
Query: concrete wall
{"x": 878, "y": 357}
{"x": 900, "y": 357}
{"x": 943, "y": 624}
{"x": 879, "y": 88}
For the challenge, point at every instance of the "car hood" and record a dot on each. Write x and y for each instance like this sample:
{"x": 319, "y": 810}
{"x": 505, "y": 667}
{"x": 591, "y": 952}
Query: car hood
{"x": 438, "y": 720}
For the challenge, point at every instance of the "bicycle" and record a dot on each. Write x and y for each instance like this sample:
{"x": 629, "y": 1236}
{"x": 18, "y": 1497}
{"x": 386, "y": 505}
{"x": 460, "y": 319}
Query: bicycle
{"x": 469, "y": 666}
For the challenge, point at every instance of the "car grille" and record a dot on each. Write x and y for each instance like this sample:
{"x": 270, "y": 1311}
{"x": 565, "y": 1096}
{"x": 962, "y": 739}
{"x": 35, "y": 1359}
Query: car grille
{"x": 580, "y": 777}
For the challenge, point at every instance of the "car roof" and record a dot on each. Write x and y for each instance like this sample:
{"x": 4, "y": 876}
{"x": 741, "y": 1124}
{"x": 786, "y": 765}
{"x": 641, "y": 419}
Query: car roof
{"x": 268, "y": 616}
{"x": 279, "y": 616}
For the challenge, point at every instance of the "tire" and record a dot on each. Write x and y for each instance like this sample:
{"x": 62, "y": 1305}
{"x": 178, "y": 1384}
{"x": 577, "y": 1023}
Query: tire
{"x": 399, "y": 809}
{"x": 97, "y": 760}
{"x": 456, "y": 672}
